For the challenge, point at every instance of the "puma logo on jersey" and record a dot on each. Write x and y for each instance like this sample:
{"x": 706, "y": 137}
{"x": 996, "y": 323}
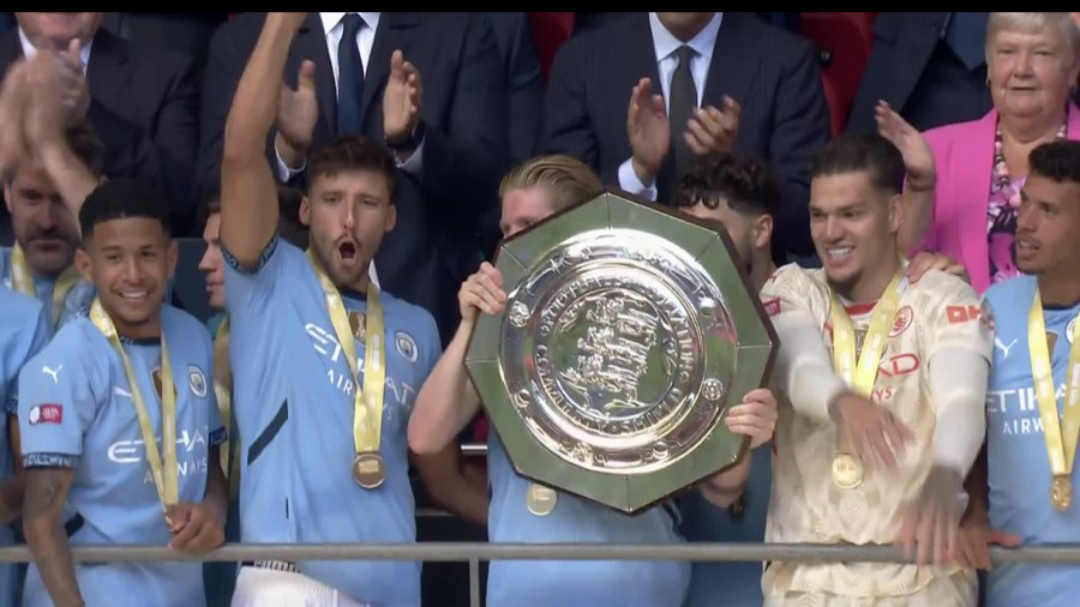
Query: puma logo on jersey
{"x": 1004, "y": 349}
{"x": 53, "y": 373}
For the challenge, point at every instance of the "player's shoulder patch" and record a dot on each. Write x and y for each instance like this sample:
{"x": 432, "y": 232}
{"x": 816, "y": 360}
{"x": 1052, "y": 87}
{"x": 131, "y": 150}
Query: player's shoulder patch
{"x": 794, "y": 287}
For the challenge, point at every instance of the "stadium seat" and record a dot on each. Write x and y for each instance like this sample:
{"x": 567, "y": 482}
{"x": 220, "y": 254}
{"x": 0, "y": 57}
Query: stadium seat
{"x": 844, "y": 41}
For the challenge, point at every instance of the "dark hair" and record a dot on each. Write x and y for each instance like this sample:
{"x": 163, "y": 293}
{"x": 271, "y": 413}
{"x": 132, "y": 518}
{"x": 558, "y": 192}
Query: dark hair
{"x": 120, "y": 199}
{"x": 289, "y": 226}
{"x": 745, "y": 181}
{"x": 1058, "y": 161}
{"x": 84, "y": 144}
{"x": 351, "y": 153}
{"x": 210, "y": 204}
{"x": 862, "y": 152}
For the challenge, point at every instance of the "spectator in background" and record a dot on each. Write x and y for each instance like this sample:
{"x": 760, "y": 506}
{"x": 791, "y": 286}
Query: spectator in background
{"x": 930, "y": 67}
{"x": 525, "y": 100}
{"x": 50, "y": 165}
{"x": 741, "y": 85}
{"x": 141, "y": 101}
{"x": 970, "y": 174}
{"x": 429, "y": 85}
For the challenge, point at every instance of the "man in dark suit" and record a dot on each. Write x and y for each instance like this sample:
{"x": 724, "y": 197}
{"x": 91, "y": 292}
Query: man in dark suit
{"x": 142, "y": 102}
{"x": 765, "y": 82}
{"x": 451, "y": 150}
{"x": 930, "y": 67}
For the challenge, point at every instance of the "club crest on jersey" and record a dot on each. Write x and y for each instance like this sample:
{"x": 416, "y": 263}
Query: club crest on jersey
{"x": 406, "y": 346}
{"x": 197, "y": 379}
{"x": 904, "y": 316}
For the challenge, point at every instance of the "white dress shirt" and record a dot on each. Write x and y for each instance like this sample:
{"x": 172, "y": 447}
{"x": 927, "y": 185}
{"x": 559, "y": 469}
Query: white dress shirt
{"x": 333, "y": 25}
{"x": 665, "y": 45}
{"x": 29, "y": 51}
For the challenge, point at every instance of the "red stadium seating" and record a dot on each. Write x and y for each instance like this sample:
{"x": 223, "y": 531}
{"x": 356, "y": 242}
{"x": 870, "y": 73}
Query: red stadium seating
{"x": 549, "y": 31}
{"x": 844, "y": 40}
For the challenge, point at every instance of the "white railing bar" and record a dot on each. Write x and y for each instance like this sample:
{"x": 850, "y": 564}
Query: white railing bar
{"x": 482, "y": 551}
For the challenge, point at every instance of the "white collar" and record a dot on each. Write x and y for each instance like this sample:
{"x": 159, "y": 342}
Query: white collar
{"x": 666, "y": 43}
{"x": 29, "y": 51}
{"x": 332, "y": 20}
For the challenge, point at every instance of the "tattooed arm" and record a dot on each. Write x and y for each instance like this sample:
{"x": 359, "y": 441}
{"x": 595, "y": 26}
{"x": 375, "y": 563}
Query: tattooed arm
{"x": 46, "y": 493}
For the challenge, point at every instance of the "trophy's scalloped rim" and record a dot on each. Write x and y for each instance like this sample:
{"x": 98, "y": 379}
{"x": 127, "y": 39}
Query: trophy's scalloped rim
{"x": 540, "y": 469}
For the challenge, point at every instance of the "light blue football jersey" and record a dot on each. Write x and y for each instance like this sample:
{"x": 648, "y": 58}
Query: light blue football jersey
{"x": 76, "y": 411}
{"x": 76, "y": 303}
{"x": 293, "y": 401}
{"x": 577, "y": 583}
{"x": 24, "y": 331}
{"x": 1019, "y": 467}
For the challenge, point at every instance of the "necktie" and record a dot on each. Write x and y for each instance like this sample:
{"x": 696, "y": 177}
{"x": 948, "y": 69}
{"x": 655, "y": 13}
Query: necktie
{"x": 682, "y": 103}
{"x": 350, "y": 82}
{"x": 966, "y": 35}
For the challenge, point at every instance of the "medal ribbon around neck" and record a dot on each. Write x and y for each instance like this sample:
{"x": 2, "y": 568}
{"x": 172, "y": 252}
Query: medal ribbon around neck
{"x": 860, "y": 371}
{"x": 367, "y": 405}
{"x": 165, "y": 474}
{"x": 1060, "y": 442}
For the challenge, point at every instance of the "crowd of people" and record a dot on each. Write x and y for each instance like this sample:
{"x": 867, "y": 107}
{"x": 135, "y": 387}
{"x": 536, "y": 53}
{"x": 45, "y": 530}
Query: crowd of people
{"x": 355, "y": 172}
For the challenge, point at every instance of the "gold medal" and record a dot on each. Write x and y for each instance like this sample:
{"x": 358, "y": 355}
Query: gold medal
{"x": 358, "y": 324}
{"x": 540, "y": 500}
{"x": 858, "y": 365}
{"x": 847, "y": 471}
{"x": 1061, "y": 492}
{"x": 369, "y": 470}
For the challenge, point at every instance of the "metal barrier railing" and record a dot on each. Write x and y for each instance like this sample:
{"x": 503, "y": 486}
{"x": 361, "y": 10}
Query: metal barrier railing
{"x": 474, "y": 552}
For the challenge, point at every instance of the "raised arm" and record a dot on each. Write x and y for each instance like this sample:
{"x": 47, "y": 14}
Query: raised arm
{"x": 249, "y": 211}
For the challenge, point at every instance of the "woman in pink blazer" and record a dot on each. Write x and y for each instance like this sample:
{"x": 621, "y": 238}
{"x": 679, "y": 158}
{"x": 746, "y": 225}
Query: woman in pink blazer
{"x": 1032, "y": 63}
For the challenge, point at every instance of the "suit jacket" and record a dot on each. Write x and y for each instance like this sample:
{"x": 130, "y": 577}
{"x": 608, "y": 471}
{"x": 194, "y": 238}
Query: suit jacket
{"x": 772, "y": 74}
{"x": 435, "y": 244}
{"x": 917, "y": 74}
{"x": 525, "y": 99}
{"x": 963, "y": 155}
{"x": 144, "y": 107}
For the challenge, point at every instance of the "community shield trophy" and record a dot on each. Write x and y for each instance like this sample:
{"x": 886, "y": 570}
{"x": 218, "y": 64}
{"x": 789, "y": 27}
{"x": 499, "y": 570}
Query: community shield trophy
{"x": 628, "y": 333}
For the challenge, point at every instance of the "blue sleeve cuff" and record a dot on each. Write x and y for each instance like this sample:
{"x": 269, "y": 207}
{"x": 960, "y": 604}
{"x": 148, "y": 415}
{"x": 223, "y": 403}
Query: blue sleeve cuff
{"x": 11, "y": 405}
{"x": 218, "y": 437}
{"x": 50, "y": 460}
{"x": 267, "y": 252}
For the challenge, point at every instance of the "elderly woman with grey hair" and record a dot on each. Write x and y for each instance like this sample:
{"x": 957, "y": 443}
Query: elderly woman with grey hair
{"x": 964, "y": 179}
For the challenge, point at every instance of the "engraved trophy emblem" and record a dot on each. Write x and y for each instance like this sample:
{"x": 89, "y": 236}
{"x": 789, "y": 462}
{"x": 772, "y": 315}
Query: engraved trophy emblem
{"x": 614, "y": 362}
